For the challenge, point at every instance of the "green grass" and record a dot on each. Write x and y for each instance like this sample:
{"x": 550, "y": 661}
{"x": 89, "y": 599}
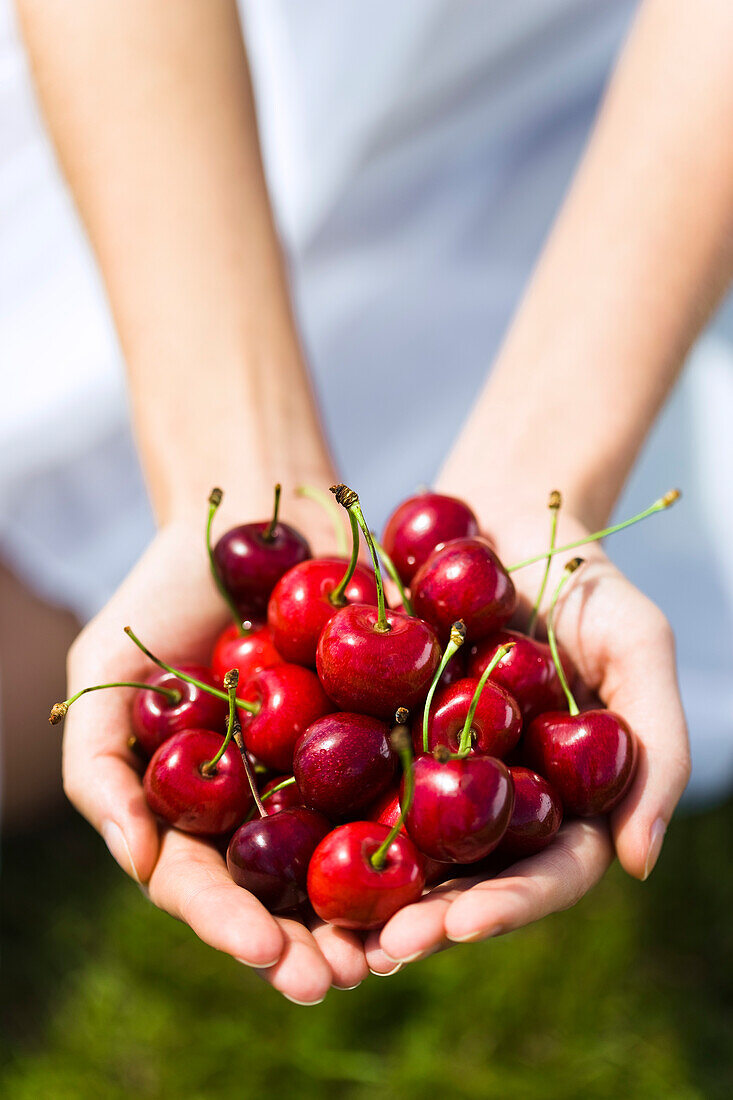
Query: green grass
{"x": 629, "y": 995}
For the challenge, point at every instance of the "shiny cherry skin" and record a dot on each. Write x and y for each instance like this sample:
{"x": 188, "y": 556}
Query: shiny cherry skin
{"x": 347, "y": 890}
{"x": 286, "y": 799}
{"x": 300, "y": 607}
{"x": 420, "y": 525}
{"x": 536, "y": 817}
{"x": 527, "y": 671}
{"x": 155, "y": 719}
{"x": 464, "y": 580}
{"x": 251, "y": 565}
{"x": 496, "y": 725}
{"x": 248, "y": 653}
{"x": 342, "y": 763}
{"x": 373, "y": 673}
{"x": 461, "y": 808}
{"x": 270, "y": 855}
{"x": 290, "y": 698}
{"x": 386, "y": 810}
{"x": 177, "y": 790}
{"x": 589, "y": 758}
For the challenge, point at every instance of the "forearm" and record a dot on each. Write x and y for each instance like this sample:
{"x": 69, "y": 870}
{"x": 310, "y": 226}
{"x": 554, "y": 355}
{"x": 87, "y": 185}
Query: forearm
{"x": 638, "y": 259}
{"x": 151, "y": 108}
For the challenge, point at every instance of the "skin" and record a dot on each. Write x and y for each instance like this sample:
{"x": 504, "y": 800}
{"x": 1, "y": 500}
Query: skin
{"x": 151, "y": 110}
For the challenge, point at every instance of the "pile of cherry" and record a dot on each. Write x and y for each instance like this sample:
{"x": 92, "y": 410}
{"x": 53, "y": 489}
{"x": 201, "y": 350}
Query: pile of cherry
{"x": 347, "y": 753}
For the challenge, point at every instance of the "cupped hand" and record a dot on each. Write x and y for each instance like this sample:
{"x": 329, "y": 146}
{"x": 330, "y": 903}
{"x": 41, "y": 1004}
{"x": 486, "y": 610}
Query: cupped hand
{"x": 170, "y": 601}
{"x": 623, "y": 648}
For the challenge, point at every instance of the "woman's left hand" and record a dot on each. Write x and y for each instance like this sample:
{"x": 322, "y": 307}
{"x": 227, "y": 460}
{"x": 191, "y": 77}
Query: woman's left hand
{"x": 623, "y": 648}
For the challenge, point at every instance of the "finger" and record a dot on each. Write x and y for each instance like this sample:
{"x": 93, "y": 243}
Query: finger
{"x": 546, "y": 883}
{"x": 344, "y": 952}
{"x": 378, "y": 962}
{"x": 302, "y": 975}
{"x": 417, "y": 930}
{"x": 191, "y": 882}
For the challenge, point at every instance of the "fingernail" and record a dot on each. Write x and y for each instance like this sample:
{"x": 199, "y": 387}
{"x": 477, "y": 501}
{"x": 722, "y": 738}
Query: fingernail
{"x": 304, "y": 1004}
{"x": 346, "y": 988}
{"x": 472, "y": 937}
{"x": 656, "y": 839}
{"x": 413, "y": 958}
{"x": 257, "y": 966}
{"x": 115, "y": 840}
{"x": 386, "y": 973}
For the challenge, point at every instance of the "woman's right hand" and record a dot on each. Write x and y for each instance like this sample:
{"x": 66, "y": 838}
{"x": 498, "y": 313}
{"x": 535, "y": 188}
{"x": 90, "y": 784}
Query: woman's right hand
{"x": 170, "y": 601}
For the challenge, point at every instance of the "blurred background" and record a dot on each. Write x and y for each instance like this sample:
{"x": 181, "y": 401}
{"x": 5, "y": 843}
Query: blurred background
{"x": 102, "y": 995}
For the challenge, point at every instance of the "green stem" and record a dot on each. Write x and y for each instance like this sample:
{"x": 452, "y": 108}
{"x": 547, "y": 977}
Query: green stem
{"x": 658, "y": 506}
{"x": 251, "y": 708}
{"x": 349, "y": 500}
{"x": 554, "y": 505}
{"x": 402, "y": 745}
{"x": 324, "y": 498}
{"x": 266, "y": 794}
{"x": 269, "y": 532}
{"x": 230, "y": 683}
{"x": 569, "y": 570}
{"x": 389, "y": 565}
{"x": 337, "y": 597}
{"x": 456, "y": 640}
{"x": 58, "y": 710}
{"x": 464, "y": 746}
{"x": 215, "y": 498}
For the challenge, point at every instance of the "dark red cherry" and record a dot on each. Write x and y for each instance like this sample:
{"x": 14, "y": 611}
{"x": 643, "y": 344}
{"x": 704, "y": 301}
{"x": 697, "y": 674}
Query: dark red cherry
{"x": 464, "y": 580}
{"x": 536, "y": 817}
{"x": 300, "y": 607}
{"x": 177, "y": 789}
{"x": 346, "y": 889}
{"x": 285, "y": 799}
{"x": 270, "y": 855}
{"x": 386, "y": 810}
{"x": 290, "y": 698}
{"x": 589, "y": 758}
{"x": 461, "y": 808}
{"x": 420, "y": 525}
{"x": 250, "y": 564}
{"x": 155, "y": 718}
{"x": 496, "y": 725}
{"x": 248, "y": 653}
{"x": 375, "y": 673}
{"x": 527, "y": 671}
{"x": 342, "y": 763}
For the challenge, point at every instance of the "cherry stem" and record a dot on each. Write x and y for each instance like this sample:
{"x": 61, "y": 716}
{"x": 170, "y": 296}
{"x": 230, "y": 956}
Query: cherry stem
{"x": 389, "y": 565}
{"x": 349, "y": 500}
{"x": 402, "y": 745}
{"x": 215, "y": 499}
{"x": 251, "y": 708}
{"x": 456, "y": 640}
{"x": 230, "y": 683}
{"x": 266, "y": 794}
{"x": 58, "y": 710}
{"x": 569, "y": 570}
{"x": 324, "y": 498}
{"x": 464, "y": 746}
{"x": 239, "y": 741}
{"x": 658, "y": 506}
{"x": 269, "y": 532}
{"x": 337, "y": 597}
{"x": 554, "y": 504}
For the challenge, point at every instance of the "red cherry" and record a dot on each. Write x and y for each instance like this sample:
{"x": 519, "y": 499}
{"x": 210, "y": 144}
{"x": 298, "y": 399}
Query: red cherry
{"x": 285, "y": 799}
{"x": 289, "y": 699}
{"x": 420, "y": 525}
{"x": 346, "y": 889}
{"x": 299, "y": 606}
{"x": 248, "y": 653}
{"x": 342, "y": 763}
{"x": 496, "y": 726}
{"x": 375, "y": 673}
{"x": 527, "y": 672}
{"x": 461, "y": 808}
{"x": 536, "y": 817}
{"x": 177, "y": 789}
{"x": 464, "y": 580}
{"x": 155, "y": 718}
{"x": 589, "y": 758}
{"x": 270, "y": 855}
{"x": 386, "y": 810}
